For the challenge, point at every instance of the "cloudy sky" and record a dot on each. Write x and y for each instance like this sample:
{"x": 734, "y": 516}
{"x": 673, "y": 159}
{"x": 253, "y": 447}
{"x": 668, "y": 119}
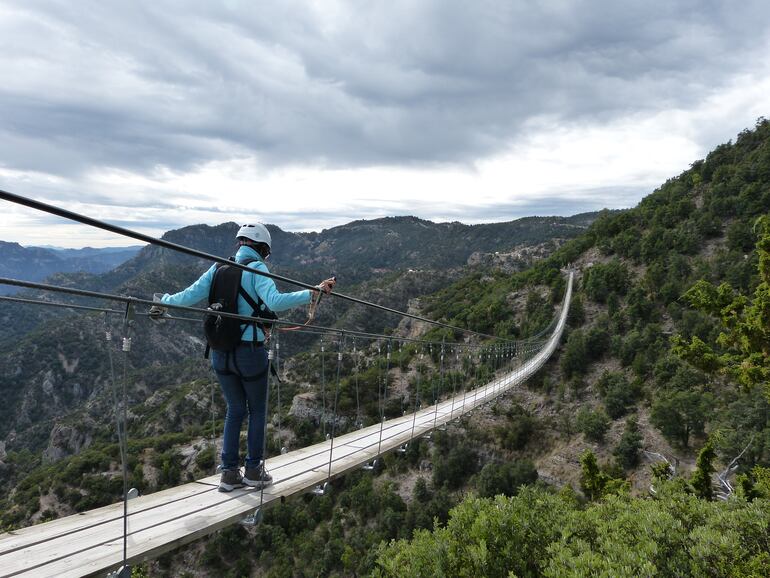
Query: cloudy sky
{"x": 161, "y": 113}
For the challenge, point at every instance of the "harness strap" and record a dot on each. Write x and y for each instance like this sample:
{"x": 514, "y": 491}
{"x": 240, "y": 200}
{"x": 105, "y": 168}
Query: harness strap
{"x": 256, "y": 307}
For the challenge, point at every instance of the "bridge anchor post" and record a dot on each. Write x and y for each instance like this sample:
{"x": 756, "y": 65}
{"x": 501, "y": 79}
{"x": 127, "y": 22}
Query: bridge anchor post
{"x": 371, "y": 466}
{"x": 253, "y": 519}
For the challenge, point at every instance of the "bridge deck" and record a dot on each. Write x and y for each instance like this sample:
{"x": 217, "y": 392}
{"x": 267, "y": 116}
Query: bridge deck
{"x": 92, "y": 542}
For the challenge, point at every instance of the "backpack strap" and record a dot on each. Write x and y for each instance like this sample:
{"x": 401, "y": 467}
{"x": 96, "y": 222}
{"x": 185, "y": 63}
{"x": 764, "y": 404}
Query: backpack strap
{"x": 256, "y": 306}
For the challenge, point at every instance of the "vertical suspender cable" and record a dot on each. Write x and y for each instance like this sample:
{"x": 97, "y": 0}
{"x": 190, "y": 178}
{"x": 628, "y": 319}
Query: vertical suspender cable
{"x": 213, "y": 421}
{"x": 381, "y": 402}
{"x": 281, "y": 444}
{"x": 416, "y": 393}
{"x": 440, "y": 385}
{"x": 466, "y": 368}
{"x": 404, "y": 446}
{"x": 122, "y": 428}
{"x": 263, "y": 470}
{"x": 454, "y": 384}
{"x": 401, "y": 376}
{"x": 380, "y": 405}
{"x": 356, "y": 360}
{"x": 385, "y": 380}
{"x": 323, "y": 389}
{"x": 336, "y": 397}
{"x": 116, "y": 409}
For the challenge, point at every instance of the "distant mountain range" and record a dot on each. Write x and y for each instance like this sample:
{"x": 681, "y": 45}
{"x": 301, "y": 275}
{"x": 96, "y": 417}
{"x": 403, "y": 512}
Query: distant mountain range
{"x": 360, "y": 250}
{"x": 37, "y": 263}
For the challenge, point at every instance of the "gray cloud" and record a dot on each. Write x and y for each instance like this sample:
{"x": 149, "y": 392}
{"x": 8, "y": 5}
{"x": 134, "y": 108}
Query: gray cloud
{"x": 140, "y": 84}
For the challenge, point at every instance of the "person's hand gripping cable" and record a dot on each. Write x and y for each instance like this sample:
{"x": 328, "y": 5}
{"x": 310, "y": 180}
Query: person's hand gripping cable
{"x": 157, "y": 312}
{"x": 323, "y": 288}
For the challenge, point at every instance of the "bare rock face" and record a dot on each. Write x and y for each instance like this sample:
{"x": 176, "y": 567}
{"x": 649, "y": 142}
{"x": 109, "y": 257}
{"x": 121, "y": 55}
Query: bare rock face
{"x": 304, "y": 406}
{"x": 3, "y": 453}
{"x": 48, "y": 383}
{"x": 65, "y": 441}
{"x": 517, "y": 258}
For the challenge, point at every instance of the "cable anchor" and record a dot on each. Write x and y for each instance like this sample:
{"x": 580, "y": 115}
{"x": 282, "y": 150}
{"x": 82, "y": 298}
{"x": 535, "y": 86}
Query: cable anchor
{"x": 320, "y": 489}
{"x": 253, "y": 519}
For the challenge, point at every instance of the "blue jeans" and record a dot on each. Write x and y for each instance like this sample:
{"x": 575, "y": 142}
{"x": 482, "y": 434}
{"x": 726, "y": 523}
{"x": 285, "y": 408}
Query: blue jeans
{"x": 242, "y": 373}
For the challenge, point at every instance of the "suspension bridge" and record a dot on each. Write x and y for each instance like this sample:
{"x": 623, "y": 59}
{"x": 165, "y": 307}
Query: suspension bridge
{"x": 143, "y": 527}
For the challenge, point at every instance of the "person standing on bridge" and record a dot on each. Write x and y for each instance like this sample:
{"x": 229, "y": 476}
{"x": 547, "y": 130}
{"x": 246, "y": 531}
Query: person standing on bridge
{"x": 242, "y": 372}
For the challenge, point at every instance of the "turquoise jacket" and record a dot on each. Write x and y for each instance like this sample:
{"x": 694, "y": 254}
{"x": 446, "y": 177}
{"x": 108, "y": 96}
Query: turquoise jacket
{"x": 255, "y": 285}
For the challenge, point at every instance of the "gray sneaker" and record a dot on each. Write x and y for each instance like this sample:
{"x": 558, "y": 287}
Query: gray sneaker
{"x": 257, "y": 477}
{"x": 230, "y": 480}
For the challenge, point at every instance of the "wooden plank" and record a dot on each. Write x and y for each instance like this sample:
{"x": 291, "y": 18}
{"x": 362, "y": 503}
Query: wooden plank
{"x": 26, "y": 537}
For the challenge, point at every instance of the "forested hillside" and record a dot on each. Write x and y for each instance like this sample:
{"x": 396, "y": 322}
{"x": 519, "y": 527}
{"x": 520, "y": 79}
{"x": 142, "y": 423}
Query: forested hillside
{"x": 668, "y": 358}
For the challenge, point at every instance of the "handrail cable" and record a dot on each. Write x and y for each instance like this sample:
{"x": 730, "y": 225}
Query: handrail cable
{"x": 138, "y": 300}
{"x": 58, "y": 304}
{"x": 310, "y": 329}
{"x": 72, "y": 216}
{"x": 86, "y": 308}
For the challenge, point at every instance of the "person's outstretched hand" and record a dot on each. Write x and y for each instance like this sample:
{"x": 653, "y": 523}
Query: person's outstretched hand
{"x": 327, "y": 285}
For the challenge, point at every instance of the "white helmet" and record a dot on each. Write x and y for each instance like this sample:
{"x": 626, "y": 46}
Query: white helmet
{"x": 257, "y": 233}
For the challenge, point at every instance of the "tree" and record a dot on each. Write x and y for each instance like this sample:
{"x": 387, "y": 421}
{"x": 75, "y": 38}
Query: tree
{"x": 577, "y": 314}
{"x": 506, "y": 478}
{"x": 704, "y": 471}
{"x": 602, "y": 280}
{"x": 574, "y": 360}
{"x": 538, "y": 533}
{"x": 592, "y": 480}
{"x": 594, "y": 424}
{"x": 742, "y": 349}
{"x": 680, "y": 414}
{"x": 617, "y": 394}
{"x": 598, "y": 339}
{"x": 755, "y": 484}
{"x": 484, "y": 537}
{"x": 629, "y": 446}
{"x": 517, "y": 430}
{"x": 456, "y": 467}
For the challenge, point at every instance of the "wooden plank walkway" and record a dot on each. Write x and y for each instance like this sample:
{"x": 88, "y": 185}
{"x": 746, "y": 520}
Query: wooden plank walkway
{"x": 92, "y": 542}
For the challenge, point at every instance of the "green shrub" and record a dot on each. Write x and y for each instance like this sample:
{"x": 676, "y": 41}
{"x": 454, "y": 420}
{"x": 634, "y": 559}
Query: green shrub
{"x": 594, "y": 424}
{"x": 506, "y": 478}
{"x": 630, "y": 444}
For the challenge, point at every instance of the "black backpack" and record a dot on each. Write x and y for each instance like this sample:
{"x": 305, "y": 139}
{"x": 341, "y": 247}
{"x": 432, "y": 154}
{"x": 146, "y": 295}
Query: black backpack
{"x": 225, "y": 333}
